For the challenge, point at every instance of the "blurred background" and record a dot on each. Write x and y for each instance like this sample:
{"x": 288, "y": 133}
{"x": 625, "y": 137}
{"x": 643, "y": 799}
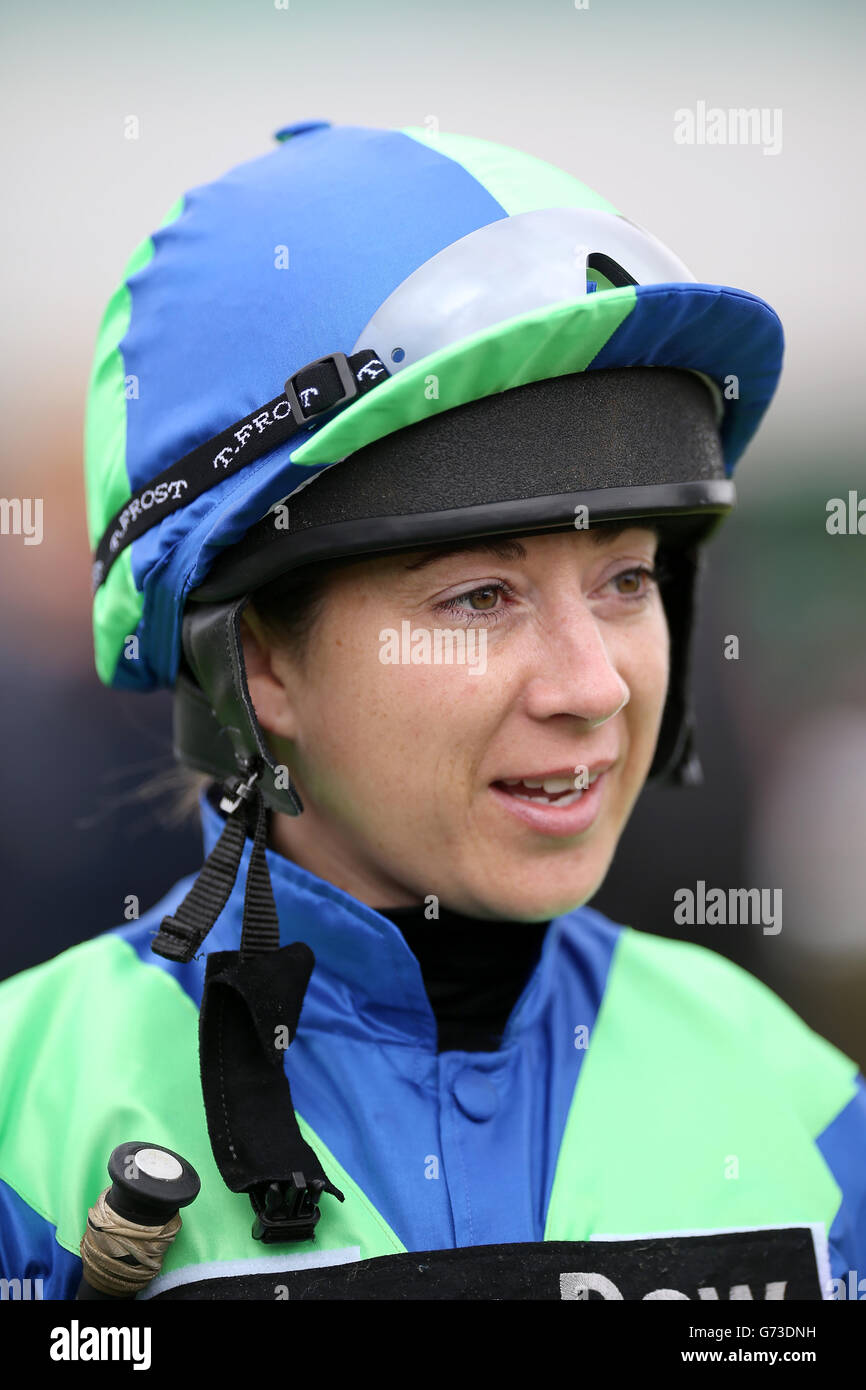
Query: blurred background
{"x": 597, "y": 90}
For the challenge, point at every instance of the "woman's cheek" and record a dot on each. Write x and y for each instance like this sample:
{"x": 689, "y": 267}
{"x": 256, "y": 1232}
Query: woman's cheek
{"x": 647, "y": 678}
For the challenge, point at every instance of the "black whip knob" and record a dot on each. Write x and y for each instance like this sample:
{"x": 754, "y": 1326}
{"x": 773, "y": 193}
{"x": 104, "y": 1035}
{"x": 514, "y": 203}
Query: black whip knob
{"x": 133, "y": 1222}
{"x": 150, "y": 1183}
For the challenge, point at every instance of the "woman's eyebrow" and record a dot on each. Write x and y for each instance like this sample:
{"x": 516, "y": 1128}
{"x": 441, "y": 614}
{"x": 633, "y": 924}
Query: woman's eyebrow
{"x": 512, "y": 550}
{"x": 503, "y": 550}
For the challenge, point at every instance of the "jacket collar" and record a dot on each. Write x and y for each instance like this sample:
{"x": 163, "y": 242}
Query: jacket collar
{"x": 361, "y": 956}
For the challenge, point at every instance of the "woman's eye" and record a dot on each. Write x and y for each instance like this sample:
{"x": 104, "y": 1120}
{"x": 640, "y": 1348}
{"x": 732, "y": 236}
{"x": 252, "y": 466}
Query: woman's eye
{"x": 485, "y": 604}
{"x": 482, "y": 603}
{"x": 643, "y": 580}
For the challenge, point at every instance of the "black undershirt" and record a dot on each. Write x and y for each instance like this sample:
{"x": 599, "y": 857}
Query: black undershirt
{"x": 474, "y": 970}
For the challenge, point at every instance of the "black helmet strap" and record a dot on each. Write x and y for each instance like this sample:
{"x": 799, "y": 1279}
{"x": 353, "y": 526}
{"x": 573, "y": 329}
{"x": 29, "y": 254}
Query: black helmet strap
{"x": 249, "y": 1015}
{"x": 313, "y": 393}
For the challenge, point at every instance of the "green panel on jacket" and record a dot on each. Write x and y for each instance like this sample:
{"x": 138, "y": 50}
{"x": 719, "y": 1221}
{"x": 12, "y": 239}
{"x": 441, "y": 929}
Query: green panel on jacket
{"x": 698, "y": 1103}
{"x": 69, "y": 1097}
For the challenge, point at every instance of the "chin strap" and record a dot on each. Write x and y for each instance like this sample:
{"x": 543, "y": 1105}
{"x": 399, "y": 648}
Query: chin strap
{"x": 249, "y": 1015}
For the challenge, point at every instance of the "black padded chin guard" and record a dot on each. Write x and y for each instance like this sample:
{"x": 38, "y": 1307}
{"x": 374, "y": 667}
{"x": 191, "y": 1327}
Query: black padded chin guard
{"x": 215, "y": 726}
{"x": 676, "y": 762}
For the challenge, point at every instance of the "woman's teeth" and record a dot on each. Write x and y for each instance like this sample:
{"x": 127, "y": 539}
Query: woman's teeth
{"x": 551, "y": 800}
{"x": 549, "y": 791}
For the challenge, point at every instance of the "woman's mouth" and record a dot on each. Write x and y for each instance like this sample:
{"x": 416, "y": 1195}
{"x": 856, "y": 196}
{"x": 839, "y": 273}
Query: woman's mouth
{"x": 552, "y": 805}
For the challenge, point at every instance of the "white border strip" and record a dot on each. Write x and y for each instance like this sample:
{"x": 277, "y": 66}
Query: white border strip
{"x": 260, "y": 1264}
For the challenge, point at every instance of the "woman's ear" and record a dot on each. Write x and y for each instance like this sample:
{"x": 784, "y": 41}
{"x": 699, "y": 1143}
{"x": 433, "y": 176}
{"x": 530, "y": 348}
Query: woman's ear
{"x": 267, "y": 670}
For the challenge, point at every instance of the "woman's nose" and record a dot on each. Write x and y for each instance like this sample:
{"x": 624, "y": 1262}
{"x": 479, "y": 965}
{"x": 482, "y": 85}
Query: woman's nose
{"x": 574, "y": 672}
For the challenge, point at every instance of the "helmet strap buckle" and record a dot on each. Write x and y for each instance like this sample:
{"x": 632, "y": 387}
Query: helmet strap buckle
{"x": 286, "y": 1210}
{"x": 237, "y": 789}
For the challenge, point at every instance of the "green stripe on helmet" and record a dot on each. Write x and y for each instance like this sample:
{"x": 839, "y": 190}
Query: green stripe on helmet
{"x": 118, "y": 606}
{"x": 529, "y": 347}
{"x": 117, "y": 610}
{"x": 519, "y": 182}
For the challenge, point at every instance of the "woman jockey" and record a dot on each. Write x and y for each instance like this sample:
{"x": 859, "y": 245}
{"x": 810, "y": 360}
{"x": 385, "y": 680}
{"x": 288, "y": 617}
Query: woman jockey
{"x": 401, "y": 451}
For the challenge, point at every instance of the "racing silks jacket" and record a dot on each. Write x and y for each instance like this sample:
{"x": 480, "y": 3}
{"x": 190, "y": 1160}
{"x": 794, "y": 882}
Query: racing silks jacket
{"x": 648, "y": 1097}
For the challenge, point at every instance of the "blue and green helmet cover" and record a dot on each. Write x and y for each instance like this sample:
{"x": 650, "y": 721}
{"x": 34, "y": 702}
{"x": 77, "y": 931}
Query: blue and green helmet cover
{"x": 204, "y": 328}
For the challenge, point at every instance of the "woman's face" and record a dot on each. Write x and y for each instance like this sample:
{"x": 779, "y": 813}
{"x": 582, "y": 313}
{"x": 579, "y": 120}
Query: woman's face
{"x": 401, "y": 764}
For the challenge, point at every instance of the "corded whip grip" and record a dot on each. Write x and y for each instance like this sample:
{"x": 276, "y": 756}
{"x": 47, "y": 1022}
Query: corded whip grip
{"x": 133, "y": 1222}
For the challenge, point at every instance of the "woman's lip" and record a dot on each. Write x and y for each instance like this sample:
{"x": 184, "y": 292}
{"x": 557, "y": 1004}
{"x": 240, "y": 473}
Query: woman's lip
{"x": 570, "y": 771}
{"x": 548, "y": 819}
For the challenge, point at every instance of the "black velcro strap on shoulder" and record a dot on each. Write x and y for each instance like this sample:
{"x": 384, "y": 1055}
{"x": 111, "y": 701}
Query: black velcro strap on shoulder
{"x": 321, "y": 386}
{"x": 249, "y": 1015}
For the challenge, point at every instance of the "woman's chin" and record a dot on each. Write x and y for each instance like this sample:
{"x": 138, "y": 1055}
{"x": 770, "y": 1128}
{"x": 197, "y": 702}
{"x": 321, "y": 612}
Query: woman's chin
{"x": 521, "y": 902}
